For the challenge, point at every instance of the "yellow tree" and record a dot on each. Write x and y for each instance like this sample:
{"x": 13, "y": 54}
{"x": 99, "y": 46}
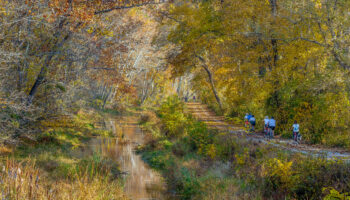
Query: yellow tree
{"x": 196, "y": 35}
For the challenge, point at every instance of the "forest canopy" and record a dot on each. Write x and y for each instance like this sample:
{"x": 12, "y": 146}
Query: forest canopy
{"x": 287, "y": 59}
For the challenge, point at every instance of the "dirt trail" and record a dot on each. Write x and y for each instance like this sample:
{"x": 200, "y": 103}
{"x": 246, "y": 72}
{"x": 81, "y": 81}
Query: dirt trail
{"x": 202, "y": 113}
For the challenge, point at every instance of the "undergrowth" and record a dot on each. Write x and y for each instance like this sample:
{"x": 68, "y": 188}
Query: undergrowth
{"x": 60, "y": 164}
{"x": 199, "y": 163}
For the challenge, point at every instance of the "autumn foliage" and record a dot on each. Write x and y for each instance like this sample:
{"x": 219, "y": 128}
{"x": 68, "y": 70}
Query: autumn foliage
{"x": 287, "y": 59}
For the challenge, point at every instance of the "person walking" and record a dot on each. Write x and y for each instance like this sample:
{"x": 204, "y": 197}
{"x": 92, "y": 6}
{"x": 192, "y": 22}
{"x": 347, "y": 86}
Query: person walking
{"x": 272, "y": 126}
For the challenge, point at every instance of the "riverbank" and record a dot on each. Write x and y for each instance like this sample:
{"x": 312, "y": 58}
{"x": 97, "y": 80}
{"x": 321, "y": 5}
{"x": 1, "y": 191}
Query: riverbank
{"x": 59, "y": 163}
{"x": 200, "y": 163}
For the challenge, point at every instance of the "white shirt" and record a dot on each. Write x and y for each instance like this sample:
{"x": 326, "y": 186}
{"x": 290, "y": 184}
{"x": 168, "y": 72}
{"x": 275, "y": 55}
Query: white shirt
{"x": 266, "y": 121}
{"x": 246, "y": 117}
{"x": 272, "y": 122}
{"x": 252, "y": 119}
{"x": 295, "y": 127}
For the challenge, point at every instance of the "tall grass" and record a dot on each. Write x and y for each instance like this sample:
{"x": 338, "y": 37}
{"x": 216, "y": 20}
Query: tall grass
{"x": 23, "y": 180}
{"x": 62, "y": 164}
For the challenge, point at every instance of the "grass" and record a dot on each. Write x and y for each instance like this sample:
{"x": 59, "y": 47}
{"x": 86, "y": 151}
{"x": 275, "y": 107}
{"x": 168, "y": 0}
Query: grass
{"x": 61, "y": 164}
{"x": 338, "y": 139}
{"x": 23, "y": 180}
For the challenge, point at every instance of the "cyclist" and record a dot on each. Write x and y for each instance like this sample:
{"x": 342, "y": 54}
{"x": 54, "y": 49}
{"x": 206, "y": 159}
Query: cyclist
{"x": 272, "y": 126}
{"x": 295, "y": 131}
{"x": 252, "y": 123}
{"x": 266, "y": 124}
{"x": 246, "y": 121}
{"x": 249, "y": 116}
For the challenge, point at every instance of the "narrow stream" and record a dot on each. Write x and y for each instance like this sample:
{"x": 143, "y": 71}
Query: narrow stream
{"x": 141, "y": 182}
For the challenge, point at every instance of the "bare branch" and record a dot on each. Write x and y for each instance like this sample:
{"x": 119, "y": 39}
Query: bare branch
{"x": 152, "y": 2}
{"x": 312, "y": 41}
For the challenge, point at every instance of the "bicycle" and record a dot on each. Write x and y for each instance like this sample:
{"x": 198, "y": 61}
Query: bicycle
{"x": 251, "y": 130}
{"x": 297, "y": 137}
{"x": 248, "y": 128}
{"x": 269, "y": 133}
{"x": 246, "y": 123}
{"x": 266, "y": 131}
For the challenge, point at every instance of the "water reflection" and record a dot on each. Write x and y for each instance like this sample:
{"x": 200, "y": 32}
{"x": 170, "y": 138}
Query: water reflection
{"x": 141, "y": 182}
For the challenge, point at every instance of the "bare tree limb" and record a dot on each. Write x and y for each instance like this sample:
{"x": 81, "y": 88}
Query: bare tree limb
{"x": 152, "y": 2}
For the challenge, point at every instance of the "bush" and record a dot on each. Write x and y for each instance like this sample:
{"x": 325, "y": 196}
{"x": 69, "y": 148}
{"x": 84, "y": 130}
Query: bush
{"x": 148, "y": 116}
{"x": 157, "y": 159}
{"x": 201, "y": 138}
{"x": 172, "y": 117}
{"x": 335, "y": 195}
{"x": 181, "y": 148}
{"x": 277, "y": 176}
{"x": 188, "y": 183}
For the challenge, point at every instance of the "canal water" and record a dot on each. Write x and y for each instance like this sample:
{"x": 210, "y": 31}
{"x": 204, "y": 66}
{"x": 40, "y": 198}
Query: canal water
{"x": 141, "y": 182}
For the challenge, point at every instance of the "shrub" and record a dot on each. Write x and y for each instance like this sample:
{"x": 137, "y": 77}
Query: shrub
{"x": 148, "y": 116}
{"x": 277, "y": 175}
{"x": 335, "y": 195}
{"x": 157, "y": 159}
{"x": 201, "y": 138}
{"x": 172, "y": 117}
{"x": 188, "y": 183}
{"x": 181, "y": 148}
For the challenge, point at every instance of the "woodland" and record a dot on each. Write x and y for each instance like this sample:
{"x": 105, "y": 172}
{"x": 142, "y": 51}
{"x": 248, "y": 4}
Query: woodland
{"x": 67, "y": 67}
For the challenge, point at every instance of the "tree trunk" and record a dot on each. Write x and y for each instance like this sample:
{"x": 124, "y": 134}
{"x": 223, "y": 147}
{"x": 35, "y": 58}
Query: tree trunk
{"x": 273, "y": 40}
{"x": 113, "y": 94}
{"x": 20, "y": 77}
{"x": 179, "y": 85}
{"x": 39, "y": 80}
{"x": 106, "y": 98}
{"x": 211, "y": 80}
{"x": 41, "y": 76}
{"x": 104, "y": 90}
{"x": 274, "y": 49}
